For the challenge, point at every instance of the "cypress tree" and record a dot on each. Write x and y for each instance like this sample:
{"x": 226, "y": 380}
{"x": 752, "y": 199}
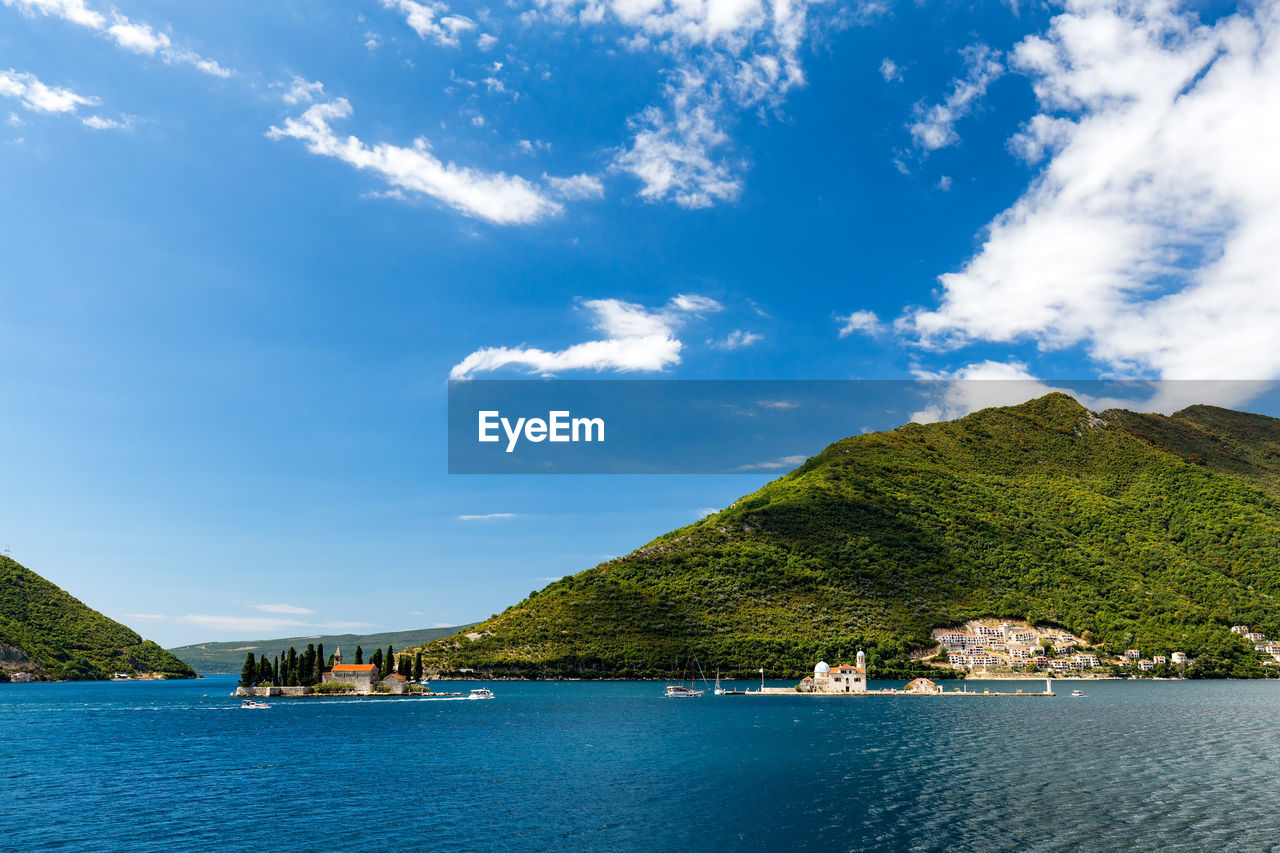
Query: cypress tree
{"x": 293, "y": 667}
{"x": 376, "y": 660}
{"x": 389, "y": 662}
{"x": 248, "y": 671}
{"x": 359, "y": 655}
{"x": 264, "y": 671}
{"x": 330, "y": 664}
{"x": 417, "y": 667}
{"x": 307, "y": 666}
{"x": 275, "y": 671}
{"x": 317, "y": 674}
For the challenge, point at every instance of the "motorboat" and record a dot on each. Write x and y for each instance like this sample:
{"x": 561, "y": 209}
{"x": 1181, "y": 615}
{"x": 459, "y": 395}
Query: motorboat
{"x": 481, "y": 693}
{"x": 251, "y": 704}
{"x": 1077, "y": 693}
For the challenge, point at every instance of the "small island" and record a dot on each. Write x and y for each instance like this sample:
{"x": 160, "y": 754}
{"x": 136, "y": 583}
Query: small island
{"x": 294, "y": 674}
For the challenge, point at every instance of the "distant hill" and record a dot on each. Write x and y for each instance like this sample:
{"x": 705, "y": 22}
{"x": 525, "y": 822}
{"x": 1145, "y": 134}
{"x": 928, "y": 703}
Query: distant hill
{"x": 206, "y": 658}
{"x": 46, "y": 632}
{"x": 1135, "y": 530}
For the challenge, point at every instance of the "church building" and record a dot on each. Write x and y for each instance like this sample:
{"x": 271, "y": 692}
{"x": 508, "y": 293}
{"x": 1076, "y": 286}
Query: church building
{"x": 362, "y": 677}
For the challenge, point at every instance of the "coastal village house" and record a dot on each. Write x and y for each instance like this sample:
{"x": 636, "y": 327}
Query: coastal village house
{"x": 362, "y": 677}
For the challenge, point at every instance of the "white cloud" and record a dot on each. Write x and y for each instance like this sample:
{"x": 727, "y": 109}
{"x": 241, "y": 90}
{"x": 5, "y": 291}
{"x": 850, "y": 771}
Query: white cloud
{"x": 890, "y": 71}
{"x": 704, "y": 512}
{"x": 37, "y": 97}
{"x": 1149, "y": 238}
{"x": 242, "y": 623}
{"x": 132, "y": 36}
{"x": 299, "y": 90}
{"x": 944, "y": 183}
{"x": 488, "y": 516}
{"x": 486, "y": 41}
{"x": 635, "y": 338}
{"x": 775, "y": 464}
{"x": 150, "y": 617}
{"x": 431, "y": 20}
{"x": 494, "y": 196}
{"x": 284, "y": 608}
{"x": 676, "y": 156}
{"x": 577, "y": 187}
{"x": 934, "y": 126}
{"x": 777, "y": 404}
{"x": 100, "y": 123}
{"x": 860, "y": 321}
{"x": 737, "y": 339}
{"x": 981, "y": 385}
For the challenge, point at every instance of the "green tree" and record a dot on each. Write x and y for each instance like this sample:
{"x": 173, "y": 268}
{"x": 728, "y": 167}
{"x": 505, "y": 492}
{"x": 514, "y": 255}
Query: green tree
{"x": 249, "y": 671}
{"x": 388, "y": 661}
{"x": 292, "y": 680}
{"x": 417, "y": 667}
{"x": 275, "y": 671}
{"x": 317, "y": 674}
{"x": 359, "y": 655}
{"x": 376, "y": 660}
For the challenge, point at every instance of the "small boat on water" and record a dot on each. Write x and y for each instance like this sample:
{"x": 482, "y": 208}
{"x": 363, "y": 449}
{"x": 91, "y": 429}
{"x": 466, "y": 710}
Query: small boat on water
{"x": 481, "y": 693}
{"x": 1077, "y": 693}
{"x": 679, "y": 691}
{"x": 249, "y": 704}
{"x": 719, "y": 691}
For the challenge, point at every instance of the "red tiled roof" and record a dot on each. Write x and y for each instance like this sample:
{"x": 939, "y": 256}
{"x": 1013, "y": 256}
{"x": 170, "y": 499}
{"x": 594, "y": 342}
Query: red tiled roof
{"x": 396, "y": 675}
{"x": 354, "y": 667}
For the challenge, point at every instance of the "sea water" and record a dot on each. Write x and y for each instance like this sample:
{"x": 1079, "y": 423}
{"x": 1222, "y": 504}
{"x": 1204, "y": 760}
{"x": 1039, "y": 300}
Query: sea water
{"x": 163, "y": 766}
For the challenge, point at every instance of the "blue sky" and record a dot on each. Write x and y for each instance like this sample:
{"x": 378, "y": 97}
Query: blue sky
{"x": 245, "y": 247}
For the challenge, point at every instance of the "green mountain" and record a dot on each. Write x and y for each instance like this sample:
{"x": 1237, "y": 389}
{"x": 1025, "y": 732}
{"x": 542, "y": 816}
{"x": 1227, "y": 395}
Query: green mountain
{"x": 46, "y": 632}
{"x": 1144, "y": 531}
{"x": 207, "y": 658}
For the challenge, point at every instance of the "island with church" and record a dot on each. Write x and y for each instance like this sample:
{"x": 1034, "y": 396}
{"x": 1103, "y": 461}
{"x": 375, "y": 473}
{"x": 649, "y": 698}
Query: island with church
{"x": 847, "y": 680}
{"x": 307, "y": 673}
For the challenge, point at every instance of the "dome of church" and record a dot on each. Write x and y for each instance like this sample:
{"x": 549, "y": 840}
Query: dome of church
{"x": 821, "y": 669}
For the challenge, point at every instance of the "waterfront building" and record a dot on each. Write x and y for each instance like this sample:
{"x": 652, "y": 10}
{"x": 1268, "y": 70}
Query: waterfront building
{"x": 1159, "y": 659}
{"x": 841, "y": 679}
{"x": 396, "y": 683}
{"x": 362, "y": 677}
{"x": 1146, "y": 665}
{"x": 1132, "y": 654}
{"x": 1088, "y": 660}
{"x": 1178, "y": 658}
{"x": 922, "y": 685}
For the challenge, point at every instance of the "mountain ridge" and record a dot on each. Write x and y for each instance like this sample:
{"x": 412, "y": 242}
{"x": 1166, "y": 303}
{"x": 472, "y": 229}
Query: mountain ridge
{"x": 51, "y": 635}
{"x": 1154, "y": 530}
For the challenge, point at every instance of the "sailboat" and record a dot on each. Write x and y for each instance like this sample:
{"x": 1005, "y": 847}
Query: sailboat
{"x": 719, "y": 691}
{"x": 679, "y": 691}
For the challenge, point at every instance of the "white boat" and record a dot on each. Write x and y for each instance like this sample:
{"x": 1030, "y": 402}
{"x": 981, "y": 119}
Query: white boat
{"x": 1077, "y": 693}
{"x": 481, "y": 693}
{"x": 679, "y": 691}
{"x": 719, "y": 691}
{"x": 250, "y": 704}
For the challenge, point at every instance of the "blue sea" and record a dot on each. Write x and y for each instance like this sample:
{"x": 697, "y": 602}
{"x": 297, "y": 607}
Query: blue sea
{"x": 164, "y": 766}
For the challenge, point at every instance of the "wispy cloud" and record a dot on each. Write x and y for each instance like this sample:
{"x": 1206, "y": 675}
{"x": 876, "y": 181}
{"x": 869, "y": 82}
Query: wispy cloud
{"x": 860, "y": 321}
{"x": 934, "y": 126}
{"x": 737, "y": 339}
{"x": 774, "y": 464}
{"x": 635, "y": 338}
{"x": 284, "y": 608}
{"x": 704, "y": 512}
{"x": 432, "y": 21}
{"x": 494, "y": 196}
{"x": 133, "y": 36}
{"x": 488, "y": 516}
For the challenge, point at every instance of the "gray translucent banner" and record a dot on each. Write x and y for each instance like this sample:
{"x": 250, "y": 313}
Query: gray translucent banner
{"x": 556, "y": 426}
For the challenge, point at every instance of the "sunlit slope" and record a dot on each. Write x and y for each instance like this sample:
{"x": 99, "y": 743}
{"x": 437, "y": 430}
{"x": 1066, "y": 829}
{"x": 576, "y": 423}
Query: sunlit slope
{"x": 1130, "y": 527}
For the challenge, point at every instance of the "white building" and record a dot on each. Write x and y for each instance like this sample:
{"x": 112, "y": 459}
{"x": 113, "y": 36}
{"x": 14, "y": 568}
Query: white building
{"x": 842, "y": 679}
{"x": 1178, "y": 658}
{"x": 1146, "y": 665}
{"x": 1159, "y": 659}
